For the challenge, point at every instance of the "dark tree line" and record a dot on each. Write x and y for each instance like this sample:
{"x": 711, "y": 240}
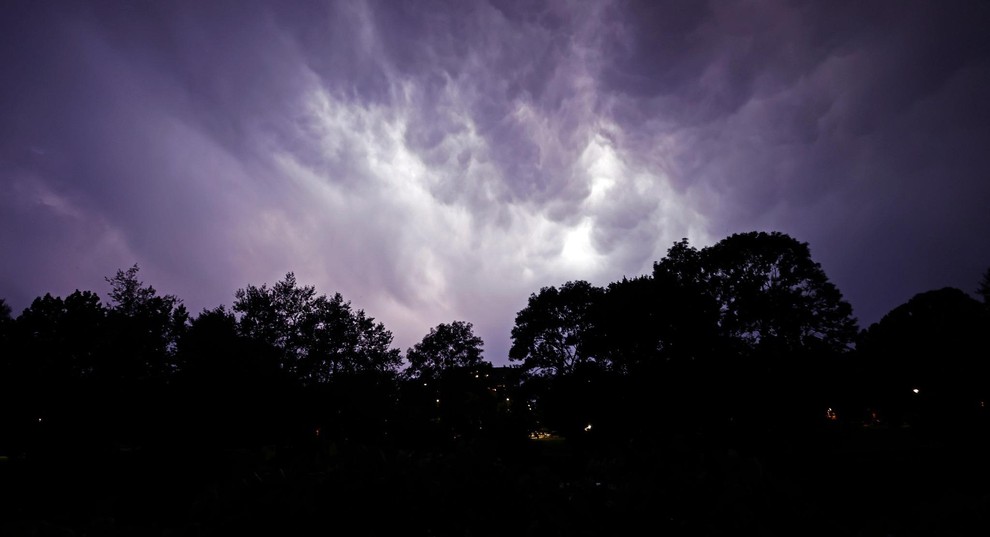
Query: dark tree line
{"x": 680, "y": 396}
{"x": 750, "y": 295}
{"x": 745, "y": 335}
{"x": 283, "y": 363}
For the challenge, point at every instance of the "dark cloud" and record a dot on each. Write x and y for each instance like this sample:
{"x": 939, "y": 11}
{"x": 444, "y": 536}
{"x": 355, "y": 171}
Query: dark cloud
{"x": 853, "y": 126}
{"x": 440, "y": 161}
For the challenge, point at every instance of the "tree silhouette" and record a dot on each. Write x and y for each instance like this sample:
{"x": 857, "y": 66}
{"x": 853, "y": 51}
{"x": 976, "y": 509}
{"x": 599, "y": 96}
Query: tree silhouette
{"x": 448, "y": 384}
{"x": 984, "y": 288}
{"x": 233, "y": 389}
{"x": 317, "y": 337}
{"x": 661, "y": 332}
{"x": 935, "y": 343}
{"x": 558, "y": 337}
{"x": 57, "y": 354}
{"x": 553, "y": 334}
{"x": 6, "y": 333}
{"x": 447, "y": 347}
{"x": 351, "y": 342}
{"x": 682, "y": 265}
{"x": 279, "y": 316}
{"x": 778, "y": 311}
{"x": 687, "y": 310}
{"x": 9, "y": 380}
{"x": 64, "y": 339}
{"x": 145, "y": 328}
{"x": 773, "y": 297}
{"x": 628, "y": 326}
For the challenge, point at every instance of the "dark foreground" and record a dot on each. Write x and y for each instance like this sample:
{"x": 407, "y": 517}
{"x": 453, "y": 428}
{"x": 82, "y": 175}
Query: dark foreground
{"x": 828, "y": 482}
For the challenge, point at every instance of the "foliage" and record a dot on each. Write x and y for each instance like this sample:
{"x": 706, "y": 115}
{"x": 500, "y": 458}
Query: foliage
{"x": 653, "y": 387}
{"x": 686, "y": 313}
{"x": 445, "y": 348}
{"x": 554, "y": 333}
{"x": 145, "y": 328}
{"x": 231, "y": 388}
{"x": 773, "y": 297}
{"x": 627, "y": 323}
{"x": 449, "y": 386}
{"x": 317, "y": 337}
{"x": 215, "y": 353}
{"x": 63, "y": 338}
{"x": 936, "y": 343}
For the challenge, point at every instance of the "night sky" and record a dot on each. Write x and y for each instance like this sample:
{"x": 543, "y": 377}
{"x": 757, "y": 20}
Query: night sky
{"x": 434, "y": 161}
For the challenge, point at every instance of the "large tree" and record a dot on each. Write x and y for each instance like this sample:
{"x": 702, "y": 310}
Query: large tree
{"x": 647, "y": 321}
{"x": 215, "y": 354}
{"x": 348, "y": 341}
{"x": 281, "y": 315}
{"x": 773, "y": 297}
{"x": 317, "y": 337}
{"x": 733, "y": 319}
{"x": 446, "y": 348}
{"x": 63, "y": 337}
{"x": 231, "y": 387}
{"x": 555, "y": 333}
{"x": 936, "y": 343}
{"x": 628, "y": 324}
{"x": 145, "y": 328}
{"x": 449, "y": 383}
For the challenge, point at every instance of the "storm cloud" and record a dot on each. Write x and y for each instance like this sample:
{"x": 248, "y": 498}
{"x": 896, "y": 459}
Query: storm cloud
{"x": 435, "y": 161}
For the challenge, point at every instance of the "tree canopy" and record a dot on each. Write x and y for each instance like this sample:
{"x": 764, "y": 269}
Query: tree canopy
{"x": 317, "y": 337}
{"x": 773, "y": 297}
{"x": 145, "y": 327}
{"x": 750, "y": 294}
{"x": 447, "y": 347}
{"x": 936, "y": 341}
{"x": 554, "y": 333}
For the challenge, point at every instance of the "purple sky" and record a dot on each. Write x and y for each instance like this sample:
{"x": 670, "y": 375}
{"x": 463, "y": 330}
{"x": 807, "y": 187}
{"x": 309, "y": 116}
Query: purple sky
{"x": 434, "y": 161}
